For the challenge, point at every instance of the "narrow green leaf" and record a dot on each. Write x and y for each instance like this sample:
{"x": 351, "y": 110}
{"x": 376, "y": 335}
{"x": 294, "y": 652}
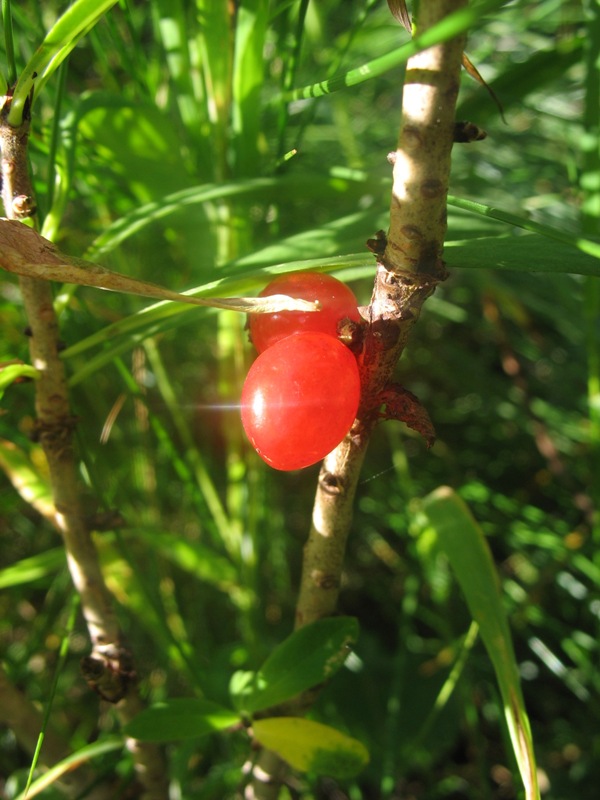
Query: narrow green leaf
{"x": 180, "y": 718}
{"x": 60, "y": 664}
{"x": 556, "y": 234}
{"x": 60, "y": 267}
{"x": 58, "y": 43}
{"x": 73, "y": 761}
{"x": 150, "y": 213}
{"x": 158, "y": 312}
{"x": 248, "y": 81}
{"x": 13, "y": 372}
{"x": 528, "y": 252}
{"x": 453, "y": 25}
{"x": 131, "y": 223}
{"x": 32, "y": 569}
{"x": 193, "y": 557}
{"x": 26, "y": 477}
{"x": 461, "y": 539}
{"x": 310, "y": 746}
{"x": 310, "y": 656}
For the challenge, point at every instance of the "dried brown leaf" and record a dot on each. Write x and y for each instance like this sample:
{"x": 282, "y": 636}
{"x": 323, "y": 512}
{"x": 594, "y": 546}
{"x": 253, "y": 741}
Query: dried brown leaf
{"x": 24, "y": 252}
{"x": 400, "y": 13}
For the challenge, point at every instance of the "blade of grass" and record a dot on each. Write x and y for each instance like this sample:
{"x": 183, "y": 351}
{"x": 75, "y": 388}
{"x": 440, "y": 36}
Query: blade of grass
{"x": 54, "y": 211}
{"x": 248, "y": 77}
{"x": 589, "y": 181}
{"x": 58, "y": 43}
{"x": 453, "y": 25}
{"x": 62, "y": 657}
{"x": 187, "y": 94}
{"x": 224, "y": 526}
{"x": 83, "y": 755}
{"x": 32, "y": 569}
{"x": 461, "y": 539}
{"x": 579, "y": 242}
{"x": 9, "y": 47}
{"x": 215, "y": 55}
{"x": 248, "y": 283}
{"x": 334, "y": 182}
{"x": 289, "y": 73}
{"x": 529, "y": 252}
{"x": 449, "y": 686}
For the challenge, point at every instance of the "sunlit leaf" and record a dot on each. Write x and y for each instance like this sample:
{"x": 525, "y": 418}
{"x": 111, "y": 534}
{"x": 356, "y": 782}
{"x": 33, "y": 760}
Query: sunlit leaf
{"x": 310, "y": 656}
{"x": 528, "y": 252}
{"x": 33, "y": 568}
{"x": 60, "y": 40}
{"x": 15, "y": 372}
{"x": 51, "y": 265}
{"x": 193, "y": 557}
{"x": 27, "y": 478}
{"x": 461, "y": 539}
{"x": 587, "y": 246}
{"x": 81, "y": 756}
{"x": 453, "y": 25}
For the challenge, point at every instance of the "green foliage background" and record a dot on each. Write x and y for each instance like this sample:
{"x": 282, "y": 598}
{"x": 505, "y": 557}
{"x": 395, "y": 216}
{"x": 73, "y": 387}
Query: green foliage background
{"x": 158, "y": 110}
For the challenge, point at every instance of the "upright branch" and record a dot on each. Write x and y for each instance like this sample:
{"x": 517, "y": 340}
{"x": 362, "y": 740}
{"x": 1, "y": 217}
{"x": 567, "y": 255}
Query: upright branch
{"x": 108, "y": 668}
{"x": 409, "y": 267}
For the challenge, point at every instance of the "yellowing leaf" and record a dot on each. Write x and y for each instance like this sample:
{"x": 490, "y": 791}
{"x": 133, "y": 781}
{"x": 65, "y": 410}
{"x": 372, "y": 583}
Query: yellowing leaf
{"x": 310, "y": 746}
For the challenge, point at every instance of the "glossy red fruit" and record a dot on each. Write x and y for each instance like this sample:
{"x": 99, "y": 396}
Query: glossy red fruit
{"x": 300, "y": 399}
{"x": 336, "y": 299}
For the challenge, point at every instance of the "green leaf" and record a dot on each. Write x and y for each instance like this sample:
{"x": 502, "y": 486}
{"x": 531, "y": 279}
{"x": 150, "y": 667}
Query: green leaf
{"x": 60, "y": 267}
{"x": 193, "y": 557}
{"x": 248, "y": 81}
{"x": 180, "y": 718}
{"x": 528, "y": 252}
{"x": 29, "y": 479}
{"x": 461, "y": 539}
{"x": 34, "y": 568}
{"x": 13, "y": 372}
{"x": 305, "y": 659}
{"x": 77, "y": 20}
{"x": 81, "y": 756}
{"x": 163, "y": 310}
{"x": 309, "y": 746}
{"x": 588, "y": 246}
{"x": 453, "y": 25}
{"x": 241, "y": 685}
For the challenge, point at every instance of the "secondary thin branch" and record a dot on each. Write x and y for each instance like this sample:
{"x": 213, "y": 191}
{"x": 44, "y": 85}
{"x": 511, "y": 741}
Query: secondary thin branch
{"x": 109, "y": 668}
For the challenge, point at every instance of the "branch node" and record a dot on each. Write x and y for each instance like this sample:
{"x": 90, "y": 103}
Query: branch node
{"x": 378, "y": 243}
{"x": 55, "y": 435}
{"x": 331, "y": 484}
{"x": 111, "y": 674}
{"x": 466, "y": 132}
{"x": 325, "y": 580}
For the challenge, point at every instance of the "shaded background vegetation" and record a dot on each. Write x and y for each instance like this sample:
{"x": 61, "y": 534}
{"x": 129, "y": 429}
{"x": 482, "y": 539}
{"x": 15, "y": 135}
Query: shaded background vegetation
{"x": 205, "y": 568}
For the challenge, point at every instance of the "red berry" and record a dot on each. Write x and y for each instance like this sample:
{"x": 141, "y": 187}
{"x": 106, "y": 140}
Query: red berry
{"x": 300, "y": 399}
{"x": 336, "y": 299}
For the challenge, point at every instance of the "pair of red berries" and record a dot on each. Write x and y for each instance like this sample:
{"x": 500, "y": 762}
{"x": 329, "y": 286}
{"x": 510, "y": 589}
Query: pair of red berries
{"x": 301, "y": 394}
